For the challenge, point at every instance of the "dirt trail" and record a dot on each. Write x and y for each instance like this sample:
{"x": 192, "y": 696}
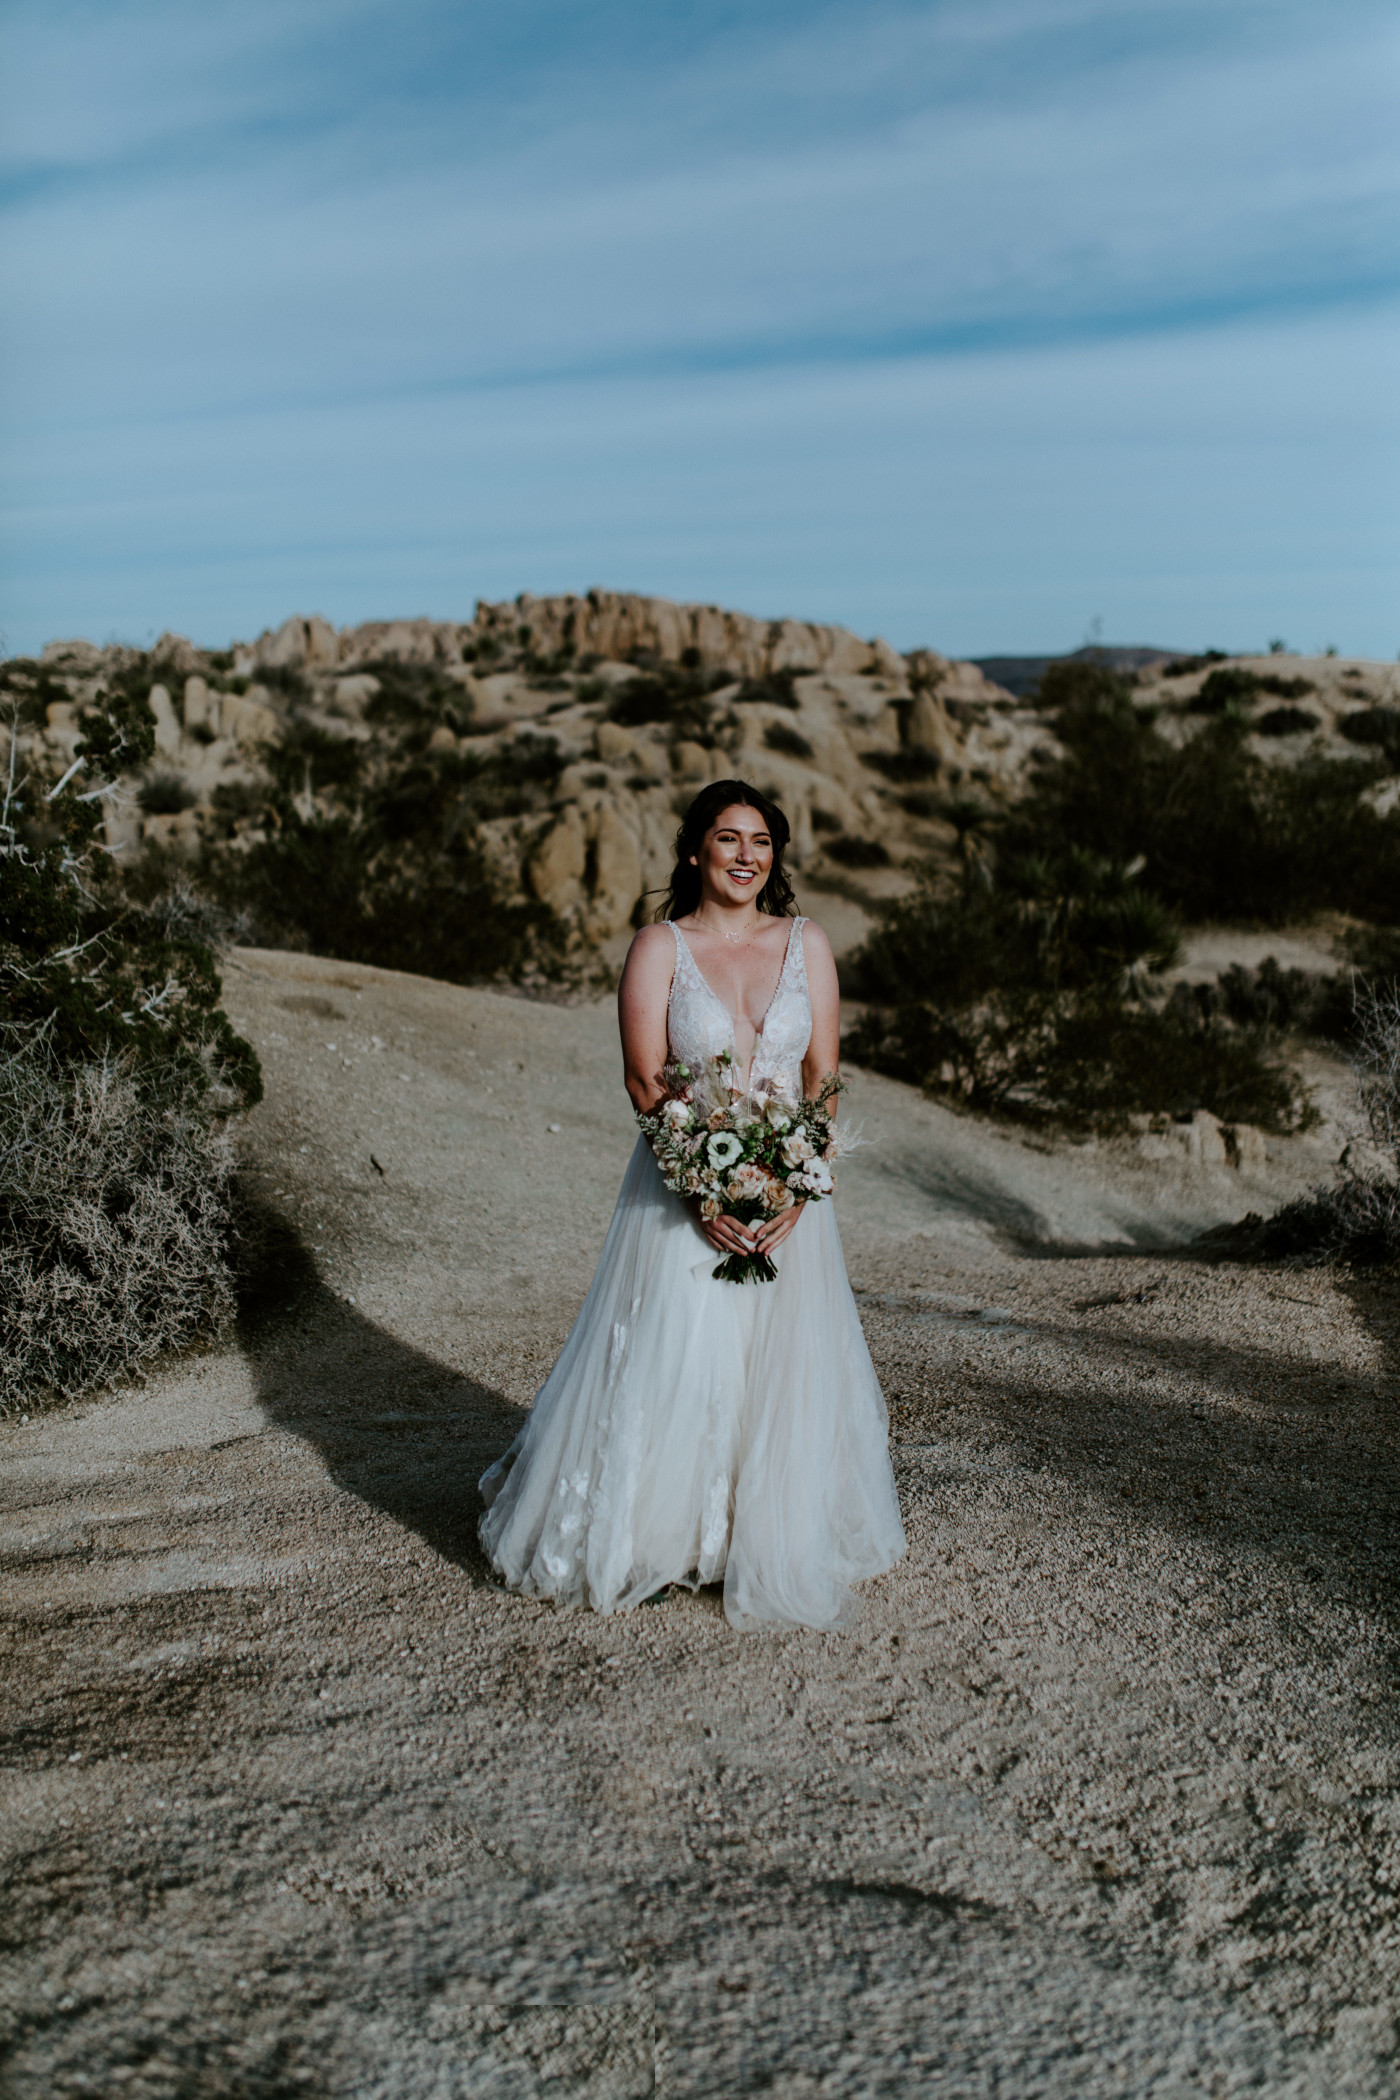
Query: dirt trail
{"x": 1100, "y": 1798}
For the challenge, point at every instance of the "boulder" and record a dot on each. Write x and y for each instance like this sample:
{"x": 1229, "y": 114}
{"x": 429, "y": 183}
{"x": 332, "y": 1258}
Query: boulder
{"x": 613, "y": 743}
{"x": 1248, "y": 1151}
{"x": 442, "y": 739}
{"x": 556, "y": 868}
{"x": 691, "y": 762}
{"x": 1205, "y": 1140}
{"x": 248, "y": 718}
{"x": 167, "y": 727}
{"x": 617, "y": 878}
{"x": 350, "y": 696}
{"x": 928, "y": 728}
{"x": 201, "y": 707}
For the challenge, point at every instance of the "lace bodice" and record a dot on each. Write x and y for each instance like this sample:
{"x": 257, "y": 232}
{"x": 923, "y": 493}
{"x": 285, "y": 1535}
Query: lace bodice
{"x": 699, "y": 1025}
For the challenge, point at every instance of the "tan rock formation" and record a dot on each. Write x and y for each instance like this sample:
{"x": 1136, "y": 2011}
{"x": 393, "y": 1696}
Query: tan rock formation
{"x": 556, "y": 869}
{"x": 167, "y": 726}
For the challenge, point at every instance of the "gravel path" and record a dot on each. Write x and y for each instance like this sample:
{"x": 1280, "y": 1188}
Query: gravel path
{"x": 1100, "y": 1798}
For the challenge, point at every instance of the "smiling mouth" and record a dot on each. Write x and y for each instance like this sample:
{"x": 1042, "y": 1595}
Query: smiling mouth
{"x": 742, "y": 874}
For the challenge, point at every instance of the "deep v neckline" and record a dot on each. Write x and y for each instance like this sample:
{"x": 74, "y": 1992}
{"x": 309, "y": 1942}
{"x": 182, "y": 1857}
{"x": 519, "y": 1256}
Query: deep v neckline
{"x": 732, "y": 1018}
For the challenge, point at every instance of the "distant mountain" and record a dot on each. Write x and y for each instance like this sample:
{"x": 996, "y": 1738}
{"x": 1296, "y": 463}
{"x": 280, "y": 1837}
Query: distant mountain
{"x": 1022, "y": 674}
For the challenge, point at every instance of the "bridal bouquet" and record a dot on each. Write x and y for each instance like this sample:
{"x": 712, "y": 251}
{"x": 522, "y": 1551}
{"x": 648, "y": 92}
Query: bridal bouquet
{"x": 749, "y": 1156}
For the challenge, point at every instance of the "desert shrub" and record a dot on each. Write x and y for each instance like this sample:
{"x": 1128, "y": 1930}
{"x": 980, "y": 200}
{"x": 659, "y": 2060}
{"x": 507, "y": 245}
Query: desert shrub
{"x": 1228, "y": 686}
{"x": 1031, "y": 994}
{"x": 857, "y": 852}
{"x": 165, "y": 795}
{"x": 385, "y": 865}
{"x": 1215, "y": 831}
{"x": 910, "y": 763}
{"x": 115, "y": 1222}
{"x": 413, "y": 693}
{"x": 1184, "y": 666}
{"x": 1299, "y": 1002}
{"x": 118, "y": 1072}
{"x": 1286, "y": 721}
{"x": 1376, "y": 727}
{"x": 671, "y": 694}
{"x": 1285, "y": 688}
{"x": 778, "y": 688}
{"x": 1358, "y": 1218}
{"x": 780, "y": 736}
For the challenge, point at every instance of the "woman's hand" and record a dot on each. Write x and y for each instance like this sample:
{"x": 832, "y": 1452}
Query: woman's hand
{"x": 771, "y": 1232}
{"x": 727, "y": 1235}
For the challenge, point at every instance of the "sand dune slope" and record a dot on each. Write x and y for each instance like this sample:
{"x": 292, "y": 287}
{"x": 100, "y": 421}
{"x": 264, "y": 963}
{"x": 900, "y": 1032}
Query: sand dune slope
{"x": 1099, "y": 1799}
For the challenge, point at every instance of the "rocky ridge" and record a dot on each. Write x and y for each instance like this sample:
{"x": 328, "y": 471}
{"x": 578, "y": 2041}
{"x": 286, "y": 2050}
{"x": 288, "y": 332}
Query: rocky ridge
{"x": 640, "y": 701}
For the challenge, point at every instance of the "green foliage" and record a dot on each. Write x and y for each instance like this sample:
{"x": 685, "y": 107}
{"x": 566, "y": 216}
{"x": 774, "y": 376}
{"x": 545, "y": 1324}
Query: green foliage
{"x": 1183, "y": 666}
{"x": 98, "y": 973}
{"x": 1286, "y": 721}
{"x": 778, "y": 688}
{"x": 1234, "y": 685}
{"x": 376, "y": 857}
{"x": 1378, "y": 727}
{"x": 1218, "y": 834}
{"x": 857, "y": 852}
{"x": 165, "y": 795}
{"x": 908, "y": 763}
{"x": 780, "y": 736}
{"x": 1029, "y": 999}
{"x": 671, "y": 694}
{"x": 417, "y": 695}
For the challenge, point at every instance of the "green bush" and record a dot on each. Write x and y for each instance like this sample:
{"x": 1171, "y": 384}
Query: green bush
{"x": 780, "y": 736}
{"x": 857, "y": 852}
{"x": 1285, "y": 721}
{"x": 1216, "y": 833}
{"x": 165, "y": 795}
{"x": 1032, "y": 994}
{"x": 376, "y": 857}
{"x": 671, "y": 694}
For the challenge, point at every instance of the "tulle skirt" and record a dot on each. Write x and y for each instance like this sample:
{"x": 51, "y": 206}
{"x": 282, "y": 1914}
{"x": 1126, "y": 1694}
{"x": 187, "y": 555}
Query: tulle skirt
{"x": 693, "y": 1430}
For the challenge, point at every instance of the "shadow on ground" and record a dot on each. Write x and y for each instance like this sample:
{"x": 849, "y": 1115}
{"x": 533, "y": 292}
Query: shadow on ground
{"x": 405, "y": 1433}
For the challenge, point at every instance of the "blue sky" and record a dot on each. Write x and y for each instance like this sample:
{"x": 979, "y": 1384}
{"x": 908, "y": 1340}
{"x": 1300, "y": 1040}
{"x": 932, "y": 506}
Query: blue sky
{"x": 970, "y": 324}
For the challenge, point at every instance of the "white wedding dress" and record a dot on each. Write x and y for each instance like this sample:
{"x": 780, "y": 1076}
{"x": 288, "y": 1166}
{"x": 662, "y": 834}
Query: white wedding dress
{"x": 694, "y": 1429}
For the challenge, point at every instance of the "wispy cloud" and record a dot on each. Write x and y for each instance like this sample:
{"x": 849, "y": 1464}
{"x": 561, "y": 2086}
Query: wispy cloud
{"x": 352, "y": 210}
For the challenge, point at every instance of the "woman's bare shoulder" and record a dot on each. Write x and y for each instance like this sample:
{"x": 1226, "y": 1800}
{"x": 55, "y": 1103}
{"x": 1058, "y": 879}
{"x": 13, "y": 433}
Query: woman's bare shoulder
{"x": 815, "y": 942}
{"x": 652, "y": 953}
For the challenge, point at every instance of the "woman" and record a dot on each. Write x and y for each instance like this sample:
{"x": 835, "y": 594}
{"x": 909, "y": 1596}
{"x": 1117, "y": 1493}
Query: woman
{"x": 692, "y": 1428}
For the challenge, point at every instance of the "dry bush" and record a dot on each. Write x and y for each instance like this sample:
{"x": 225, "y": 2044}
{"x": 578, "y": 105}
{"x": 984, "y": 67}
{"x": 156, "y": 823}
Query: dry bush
{"x": 115, "y": 1224}
{"x": 1359, "y": 1218}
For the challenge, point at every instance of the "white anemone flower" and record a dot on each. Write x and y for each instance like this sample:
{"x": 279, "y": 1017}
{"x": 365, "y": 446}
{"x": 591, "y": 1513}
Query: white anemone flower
{"x": 724, "y": 1148}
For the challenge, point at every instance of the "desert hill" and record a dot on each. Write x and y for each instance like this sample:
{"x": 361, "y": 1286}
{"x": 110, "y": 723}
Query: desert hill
{"x": 587, "y": 722}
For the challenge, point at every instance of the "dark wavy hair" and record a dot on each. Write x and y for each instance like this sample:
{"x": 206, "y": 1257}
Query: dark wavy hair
{"x": 683, "y": 892}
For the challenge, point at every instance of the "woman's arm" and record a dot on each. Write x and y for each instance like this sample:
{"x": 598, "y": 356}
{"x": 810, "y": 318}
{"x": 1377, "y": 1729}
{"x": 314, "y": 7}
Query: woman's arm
{"x": 642, "y": 998}
{"x": 824, "y": 1049}
{"x": 823, "y": 1056}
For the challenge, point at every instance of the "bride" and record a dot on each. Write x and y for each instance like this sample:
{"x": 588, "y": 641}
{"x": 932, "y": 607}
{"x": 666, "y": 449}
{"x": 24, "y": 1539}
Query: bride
{"x": 695, "y": 1430}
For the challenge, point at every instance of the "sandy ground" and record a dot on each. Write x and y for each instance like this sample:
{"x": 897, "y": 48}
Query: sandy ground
{"x": 1100, "y": 1798}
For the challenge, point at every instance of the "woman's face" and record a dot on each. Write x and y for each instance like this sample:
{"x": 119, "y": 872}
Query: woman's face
{"x": 736, "y": 856}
